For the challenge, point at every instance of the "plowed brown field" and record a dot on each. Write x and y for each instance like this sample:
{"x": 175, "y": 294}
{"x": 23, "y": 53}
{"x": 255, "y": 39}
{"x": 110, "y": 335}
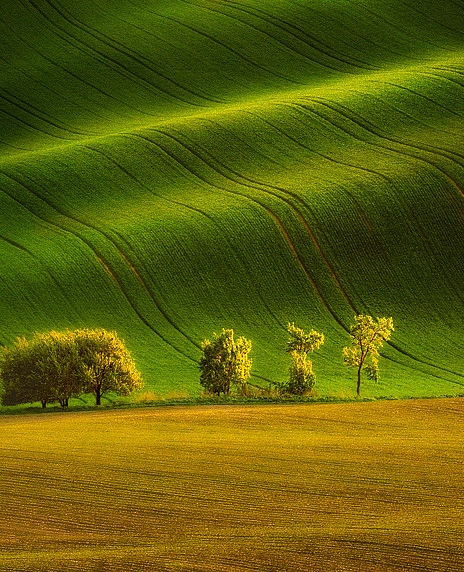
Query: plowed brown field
{"x": 351, "y": 487}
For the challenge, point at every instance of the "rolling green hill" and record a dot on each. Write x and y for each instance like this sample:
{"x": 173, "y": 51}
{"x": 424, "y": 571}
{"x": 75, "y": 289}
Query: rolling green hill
{"x": 170, "y": 168}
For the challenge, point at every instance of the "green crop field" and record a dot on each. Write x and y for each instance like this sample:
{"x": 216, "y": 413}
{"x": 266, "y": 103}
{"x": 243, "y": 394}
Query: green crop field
{"x": 172, "y": 168}
{"x": 359, "y": 487}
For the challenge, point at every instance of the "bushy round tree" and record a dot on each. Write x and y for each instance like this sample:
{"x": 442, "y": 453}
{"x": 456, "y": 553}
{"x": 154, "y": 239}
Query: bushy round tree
{"x": 225, "y": 363}
{"x": 56, "y": 366}
{"x": 105, "y": 364}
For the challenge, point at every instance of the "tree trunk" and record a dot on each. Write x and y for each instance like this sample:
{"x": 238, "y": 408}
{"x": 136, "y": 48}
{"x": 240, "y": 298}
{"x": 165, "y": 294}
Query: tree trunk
{"x": 98, "y": 396}
{"x": 358, "y": 388}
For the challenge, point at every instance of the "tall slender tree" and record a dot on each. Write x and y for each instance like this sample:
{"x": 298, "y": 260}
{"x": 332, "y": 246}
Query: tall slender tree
{"x": 301, "y": 376}
{"x": 367, "y": 336}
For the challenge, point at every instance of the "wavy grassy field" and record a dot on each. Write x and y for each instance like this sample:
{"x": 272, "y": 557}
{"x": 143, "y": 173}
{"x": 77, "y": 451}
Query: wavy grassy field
{"x": 359, "y": 487}
{"x": 171, "y": 168}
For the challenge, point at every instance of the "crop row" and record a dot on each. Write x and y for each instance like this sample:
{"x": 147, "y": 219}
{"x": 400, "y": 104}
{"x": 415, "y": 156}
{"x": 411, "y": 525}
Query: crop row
{"x": 237, "y": 488}
{"x": 193, "y": 166}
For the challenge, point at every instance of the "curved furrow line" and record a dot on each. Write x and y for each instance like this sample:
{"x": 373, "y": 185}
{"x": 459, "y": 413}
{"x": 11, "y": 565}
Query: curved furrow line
{"x": 302, "y": 263}
{"x": 379, "y": 246}
{"x": 417, "y": 363}
{"x": 254, "y": 200}
{"x": 106, "y": 59}
{"x": 422, "y": 96}
{"x": 192, "y": 54}
{"x": 351, "y": 33}
{"x": 402, "y": 31}
{"x": 268, "y": 21}
{"x": 448, "y": 68}
{"x": 318, "y": 153}
{"x": 265, "y": 187}
{"x": 366, "y": 126}
{"x": 71, "y": 73}
{"x": 124, "y": 50}
{"x": 203, "y": 213}
{"x": 406, "y": 147}
{"x": 234, "y": 52}
{"x": 442, "y": 76}
{"x": 430, "y": 18}
{"x": 257, "y": 185}
{"x": 377, "y": 131}
{"x": 458, "y": 292}
{"x": 36, "y": 112}
{"x": 98, "y": 256}
{"x": 36, "y": 259}
{"x": 20, "y": 104}
{"x": 453, "y": 287}
{"x": 177, "y": 203}
{"x": 426, "y": 362}
{"x": 32, "y": 126}
{"x": 244, "y": 144}
{"x": 226, "y": 172}
{"x": 357, "y": 33}
{"x": 283, "y": 25}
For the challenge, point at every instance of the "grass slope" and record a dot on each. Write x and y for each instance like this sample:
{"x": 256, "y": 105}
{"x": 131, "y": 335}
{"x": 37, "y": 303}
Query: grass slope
{"x": 358, "y": 487}
{"x": 171, "y": 168}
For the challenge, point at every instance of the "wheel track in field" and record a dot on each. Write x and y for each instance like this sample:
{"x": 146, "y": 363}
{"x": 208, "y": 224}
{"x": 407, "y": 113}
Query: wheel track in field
{"x": 266, "y": 21}
{"x": 225, "y": 172}
{"x": 301, "y": 35}
{"x": 104, "y": 58}
{"x": 369, "y": 39}
{"x": 183, "y": 205}
{"x": 132, "y": 54}
{"x": 407, "y": 33}
{"x": 423, "y": 233}
{"x": 77, "y": 77}
{"x": 37, "y": 260}
{"x": 258, "y": 186}
{"x": 220, "y": 43}
{"x": 406, "y": 150}
{"x": 101, "y": 259}
{"x": 37, "y": 113}
{"x": 261, "y": 204}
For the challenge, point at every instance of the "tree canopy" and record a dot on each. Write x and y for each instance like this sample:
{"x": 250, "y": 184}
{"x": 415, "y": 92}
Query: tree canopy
{"x": 56, "y": 366}
{"x": 301, "y": 376}
{"x": 225, "y": 363}
{"x": 367, "y": 337}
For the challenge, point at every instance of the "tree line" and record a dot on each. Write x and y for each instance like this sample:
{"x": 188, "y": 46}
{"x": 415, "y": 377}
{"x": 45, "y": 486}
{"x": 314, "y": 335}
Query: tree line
{"x": 225, "y": 362}
{"x": 56, "y": 366}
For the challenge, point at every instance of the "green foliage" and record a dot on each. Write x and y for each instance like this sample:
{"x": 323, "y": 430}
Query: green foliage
{"x": 301, "y": 342}
{"x": 18, "y": 376}
{"x": 225, "y": 363}
{"x": 106, "y": 364}
{"x": 301, "y": 376}
{"x": 56, "y": 366}
{"x": 367, "y": 336}
{"x": 184, "y": 164}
